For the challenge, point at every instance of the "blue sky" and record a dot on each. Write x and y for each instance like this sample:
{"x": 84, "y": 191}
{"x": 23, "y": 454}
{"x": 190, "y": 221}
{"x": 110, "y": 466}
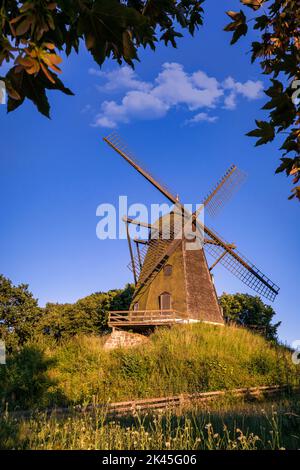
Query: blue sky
{"x": 185, "y": 113}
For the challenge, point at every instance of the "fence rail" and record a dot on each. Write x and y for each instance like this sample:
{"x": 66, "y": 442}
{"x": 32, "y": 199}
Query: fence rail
{"x": 164, "y": 403}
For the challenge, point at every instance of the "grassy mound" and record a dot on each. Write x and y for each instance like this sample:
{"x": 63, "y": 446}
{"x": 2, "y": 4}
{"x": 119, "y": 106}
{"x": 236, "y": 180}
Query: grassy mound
{"x": 181, "y": 359}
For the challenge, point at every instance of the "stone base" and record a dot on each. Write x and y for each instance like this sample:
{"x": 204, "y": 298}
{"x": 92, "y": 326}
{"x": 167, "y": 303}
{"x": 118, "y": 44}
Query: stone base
{"x": 124, "y": 339}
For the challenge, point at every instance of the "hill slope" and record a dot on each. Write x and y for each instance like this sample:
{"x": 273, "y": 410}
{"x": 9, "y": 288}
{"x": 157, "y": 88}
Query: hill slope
{"x": 182, "y": 359}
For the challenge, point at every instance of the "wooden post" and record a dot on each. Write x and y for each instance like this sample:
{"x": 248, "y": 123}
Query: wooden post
{"x": 131, "y": 254}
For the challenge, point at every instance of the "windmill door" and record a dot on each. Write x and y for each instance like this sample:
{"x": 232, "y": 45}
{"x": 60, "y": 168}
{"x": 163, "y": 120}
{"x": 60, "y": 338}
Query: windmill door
{"x": 165, "y": 301}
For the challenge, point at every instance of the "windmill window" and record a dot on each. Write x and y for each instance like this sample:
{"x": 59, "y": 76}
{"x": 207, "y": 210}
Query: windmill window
{"x": 165, "y": 301}
{"x": 136, "y": 306}
{"x": 168, "y": 270}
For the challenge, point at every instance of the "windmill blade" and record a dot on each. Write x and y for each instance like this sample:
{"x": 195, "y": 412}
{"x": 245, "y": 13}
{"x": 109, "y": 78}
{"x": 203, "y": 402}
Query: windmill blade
{"x": 239, "y": 265}
{"x": 114, "y": 141}
{"x": 224, "y": 190}
{"x": 234, "y": 261}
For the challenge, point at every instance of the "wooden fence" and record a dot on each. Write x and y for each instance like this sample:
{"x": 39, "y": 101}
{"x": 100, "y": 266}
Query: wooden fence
{"x": 183, "y": 400}
{"x": 164, "y": 403}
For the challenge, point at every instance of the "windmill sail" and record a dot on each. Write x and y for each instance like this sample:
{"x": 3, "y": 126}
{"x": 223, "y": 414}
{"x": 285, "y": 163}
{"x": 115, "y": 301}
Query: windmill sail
{"x": 224, "y": 190}
{"x": 240, "y": 266}
{"x": 157, "y": 251}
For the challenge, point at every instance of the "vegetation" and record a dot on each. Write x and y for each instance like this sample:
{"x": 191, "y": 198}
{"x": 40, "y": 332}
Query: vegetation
{"x": 250, "y": 311}
{"x": 237, "y": 426}
{"x": 56, "y": 358}
{"x": 88, "y": 315}
{"x": 21, "y": 319}
{"x": 189, "y": 358}
{"x": 277, "y": 48}
{"x": 19, "y": 313}
{"x": 33, "y": 31}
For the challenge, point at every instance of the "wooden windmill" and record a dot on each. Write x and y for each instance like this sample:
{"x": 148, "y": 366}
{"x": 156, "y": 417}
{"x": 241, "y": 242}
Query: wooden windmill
{"x": 173, "y": 283}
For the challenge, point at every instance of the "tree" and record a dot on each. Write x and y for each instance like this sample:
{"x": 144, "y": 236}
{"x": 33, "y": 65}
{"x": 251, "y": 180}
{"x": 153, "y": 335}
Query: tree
{"x": 278, "y": 51}
{"x": 19, "y": 313}
{"x": 250, "y": 311}
{"x": 88, "y": 315}
{"x": 32, "y": 31}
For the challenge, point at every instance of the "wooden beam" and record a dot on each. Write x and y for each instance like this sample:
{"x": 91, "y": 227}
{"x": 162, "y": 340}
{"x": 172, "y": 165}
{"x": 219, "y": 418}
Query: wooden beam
{"x": 131, "y": 254}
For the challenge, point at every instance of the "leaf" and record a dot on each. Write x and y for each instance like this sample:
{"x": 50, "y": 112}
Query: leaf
{"x": 254, "y": 4}
{"x": 129, "y": 51}
{"x": 23, "y": 27}
{"x": 238, "y": 25}
{"x": 35, "y": 91}
{"x": 296, "y": 193}
{"x": 47, "y": 73}
{"x": 265, "y": 131}
{"x": 286, "y": 165}
{"x": 240, "y": 31}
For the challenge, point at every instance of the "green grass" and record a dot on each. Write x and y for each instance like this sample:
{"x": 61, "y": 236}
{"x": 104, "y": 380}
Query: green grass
{"x": 181, "y": 359}
{"x": 237, "y": 426}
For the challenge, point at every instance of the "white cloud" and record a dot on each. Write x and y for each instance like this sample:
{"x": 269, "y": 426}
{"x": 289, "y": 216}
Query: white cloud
{"x": 230, "y": 101}
{"x": 120, "y": 79}
{"x": 135, "y": 104}
{"x": 202, "y": 117}
{"x": 250, "y": 90}
{"x": 172, "y": 88}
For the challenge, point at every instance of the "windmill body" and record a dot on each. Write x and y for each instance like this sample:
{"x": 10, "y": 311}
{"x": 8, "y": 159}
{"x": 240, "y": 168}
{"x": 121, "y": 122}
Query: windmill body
{"x": 173, "y": 281}
{"x": 183, "y": 285}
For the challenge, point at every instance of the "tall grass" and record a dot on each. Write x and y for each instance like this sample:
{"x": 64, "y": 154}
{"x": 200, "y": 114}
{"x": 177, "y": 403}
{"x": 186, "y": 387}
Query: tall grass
{"x": 182, "y": 359}
{"x": 242, "y": 427}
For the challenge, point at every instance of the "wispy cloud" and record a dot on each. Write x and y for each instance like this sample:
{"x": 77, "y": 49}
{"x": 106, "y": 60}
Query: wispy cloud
{"x": 201, "y": 117}
{"x": 172, "y": 88}
{"x": 121, "y": 79}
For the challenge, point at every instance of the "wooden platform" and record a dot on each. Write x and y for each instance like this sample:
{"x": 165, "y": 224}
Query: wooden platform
{"x": 129, "y": 318}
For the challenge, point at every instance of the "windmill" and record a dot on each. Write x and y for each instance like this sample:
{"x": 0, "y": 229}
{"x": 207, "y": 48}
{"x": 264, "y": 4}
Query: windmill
{"x": 173, "y": 283}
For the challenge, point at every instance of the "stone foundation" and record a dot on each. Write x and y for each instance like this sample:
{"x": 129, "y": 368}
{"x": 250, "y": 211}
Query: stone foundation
{"x": 124, "y": 339}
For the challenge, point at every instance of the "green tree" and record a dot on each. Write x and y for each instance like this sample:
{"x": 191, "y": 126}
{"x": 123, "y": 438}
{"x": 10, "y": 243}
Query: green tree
{"x": 19, "y": 313}
{"x": 88, "y": 315}
{"x": 250, "y": 311}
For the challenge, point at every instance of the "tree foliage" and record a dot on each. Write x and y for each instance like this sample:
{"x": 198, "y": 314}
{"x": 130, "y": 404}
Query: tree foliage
{"x": 19, "y": 313}
{"x": 88, "y": 315}
{"x": 277, "y": 23}
{"x": 250, "y": 311}
{"x": 33, "y": 32}
{"x": 21, "y": 319}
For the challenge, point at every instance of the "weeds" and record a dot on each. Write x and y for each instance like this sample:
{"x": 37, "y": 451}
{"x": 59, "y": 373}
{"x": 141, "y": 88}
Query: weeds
{"x": 250, "y": 427}
{"x": 182, "y": 359}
